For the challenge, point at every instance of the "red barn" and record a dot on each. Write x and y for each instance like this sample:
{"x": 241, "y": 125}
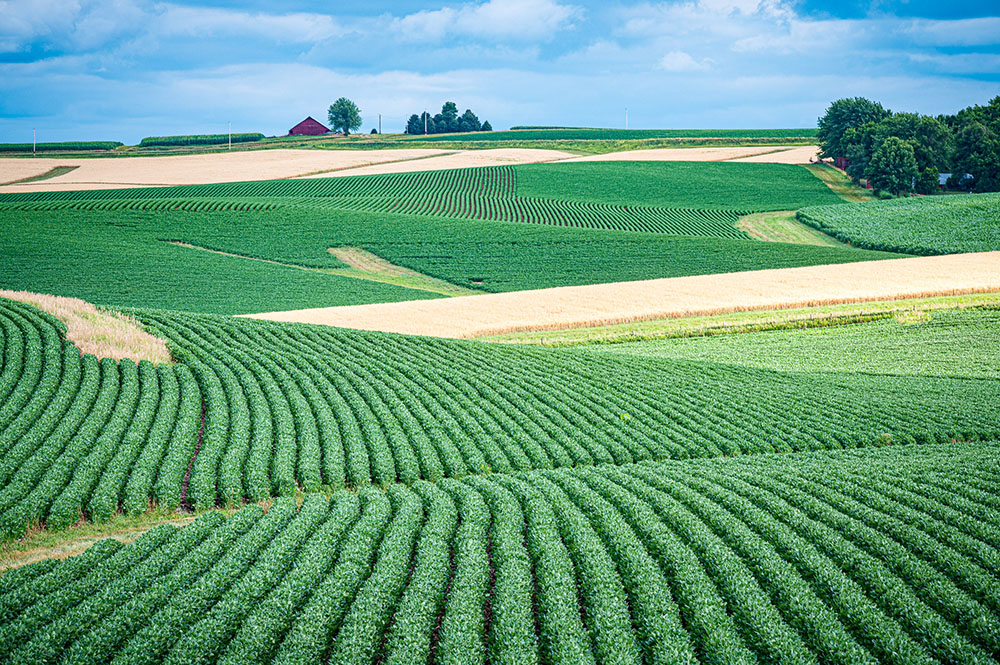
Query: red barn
{"x": 308, "y": 127}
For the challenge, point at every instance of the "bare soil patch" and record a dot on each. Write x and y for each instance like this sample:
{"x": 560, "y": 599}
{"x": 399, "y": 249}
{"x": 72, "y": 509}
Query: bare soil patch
{"x": 458, "y": 160}
{"x": 798, "y": 155}
{"x": 127, "y": 172}
{"x": 761, "y": 153}
{"x": 101, "y": 332}
{"x": 606, "y": 304}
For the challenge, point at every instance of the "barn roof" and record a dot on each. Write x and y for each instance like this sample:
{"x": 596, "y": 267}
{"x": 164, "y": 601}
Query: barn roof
{"x": 309, "y": 123}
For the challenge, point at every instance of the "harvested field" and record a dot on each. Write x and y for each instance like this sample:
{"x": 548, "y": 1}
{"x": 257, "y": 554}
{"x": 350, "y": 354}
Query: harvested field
{"x": 760, "y": 153}
{"x": 12, "y": 170}
{"x": 127, "y": 172}
{"x": 604, "y": 304}
{"x": 457, "y": 160}
{"x": 799, "y": 155}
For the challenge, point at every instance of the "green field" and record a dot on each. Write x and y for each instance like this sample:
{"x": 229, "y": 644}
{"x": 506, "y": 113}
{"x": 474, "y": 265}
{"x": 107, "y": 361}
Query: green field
{"x": 288, "y": 407}
{"x": 947, "y": 343}
{"x": 577, "y": 134}
{"x": 923, "y": 225}
{"x": 494, "y": 229}
{"x": 840, "y": 557}
{"x": 296, "y": 494}
{"x": 716, "y": 185}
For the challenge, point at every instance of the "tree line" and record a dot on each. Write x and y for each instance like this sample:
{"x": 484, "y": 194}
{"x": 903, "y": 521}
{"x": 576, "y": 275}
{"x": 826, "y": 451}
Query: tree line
{"x": 901, "y": 153}
{"x": 446, "y": 122}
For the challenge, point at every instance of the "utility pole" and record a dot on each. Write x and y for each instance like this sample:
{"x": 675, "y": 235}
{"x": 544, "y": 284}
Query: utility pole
{"x": 380, "y": 124}
{"x": 32, "y": 141}
{"x": 425, "y": 123}
{"x": 230, "y": 134}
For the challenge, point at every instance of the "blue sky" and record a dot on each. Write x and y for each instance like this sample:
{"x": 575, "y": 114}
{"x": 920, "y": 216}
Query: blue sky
{"x": 124, "y": 69}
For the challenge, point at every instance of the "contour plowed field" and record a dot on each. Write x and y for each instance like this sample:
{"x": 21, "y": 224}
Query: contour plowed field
{"x": 843, "y": 557}
{"x": 289, "y": 408}
{"x": 484, "y": 193}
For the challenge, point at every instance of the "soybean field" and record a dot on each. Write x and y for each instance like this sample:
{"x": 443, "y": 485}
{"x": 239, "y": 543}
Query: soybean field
{"x": 489, "y": 229}
{"x": 839, "y": 557}
{"x": 263, "y": 409}
{"x": 285, "y": 493}
{"x": 925, "y": 225}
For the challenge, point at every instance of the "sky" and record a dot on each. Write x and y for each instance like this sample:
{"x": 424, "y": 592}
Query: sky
{"x": 125, "y": 69}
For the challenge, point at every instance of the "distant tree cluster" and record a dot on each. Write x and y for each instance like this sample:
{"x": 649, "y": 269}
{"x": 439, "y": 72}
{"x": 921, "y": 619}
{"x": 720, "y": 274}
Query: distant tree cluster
{"x": 447, "y": 121}
{"x": 900, "y": 153}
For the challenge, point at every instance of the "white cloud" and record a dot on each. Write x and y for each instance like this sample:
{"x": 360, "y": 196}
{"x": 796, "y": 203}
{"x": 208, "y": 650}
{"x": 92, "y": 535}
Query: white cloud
{"x": 495, "y": 19}
{"x": 679, "y": 61}
{"x": 177, "y": 20}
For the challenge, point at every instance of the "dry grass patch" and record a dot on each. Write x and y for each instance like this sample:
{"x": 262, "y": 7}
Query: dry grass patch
{"x": 361, "y": 265}
{"x": 463, "y": 159}
{"x": 783, "y": 226}
{"x": 908, "y": 310}
{"x": 702, "y": 295}
{"x": 104, "y": 333}
{"x": 365, "y": 265}
{"x": 840, "y": 183}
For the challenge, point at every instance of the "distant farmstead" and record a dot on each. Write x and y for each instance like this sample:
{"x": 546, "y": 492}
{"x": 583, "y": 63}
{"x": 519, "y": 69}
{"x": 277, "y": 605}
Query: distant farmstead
{"x": 308, "y": 127}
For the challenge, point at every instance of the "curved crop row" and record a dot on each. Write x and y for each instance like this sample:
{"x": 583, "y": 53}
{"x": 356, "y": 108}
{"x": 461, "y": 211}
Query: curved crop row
{"x": 83, "y": 436}
{"x": 292, "y": 407}
{"x": 833, "y": 557}
{"x": 487, "y": 193}
{"x": 259, "y": 409}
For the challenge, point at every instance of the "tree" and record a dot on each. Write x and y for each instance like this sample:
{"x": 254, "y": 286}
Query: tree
{"x": 893, "y": 167}
{"x": 448, "y": 118}
{"x": 487, "y": 127}
{"x": 857, "y": 147}
{"x": 344, "y": 115}
{"x": 414, "y": 125}
{"x": 927, "y": 182}
{"x": 977, "y": 152}
{"x": 842, "y": 115}
{"x": 427, "y": 124}
{"x": 468, "y": 122}
{"x": 931, "y": 139}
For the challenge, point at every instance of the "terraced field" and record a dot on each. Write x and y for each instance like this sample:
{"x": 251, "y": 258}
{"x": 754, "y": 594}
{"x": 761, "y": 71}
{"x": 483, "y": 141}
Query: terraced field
{"x": 924, "y": 225}
{"x": 841, "y": 557}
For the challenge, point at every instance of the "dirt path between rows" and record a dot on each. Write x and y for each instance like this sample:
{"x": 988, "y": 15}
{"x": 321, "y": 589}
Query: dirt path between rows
{"x": 621, "y": 302}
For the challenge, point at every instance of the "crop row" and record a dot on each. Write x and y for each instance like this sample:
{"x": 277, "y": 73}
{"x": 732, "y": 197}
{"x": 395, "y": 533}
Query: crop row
{"x": 493, "y": 182}
{"x": 288, "y": 407}
{"x": 673, "y": 221}
{"x": 193, "y": 204}
{"x": 291, "y": 406}
{"x": 842, "y": 557}
{"x": 199, "y": 139}
{"x": 923, "y": 225}
{"x": 82, "y": 436}
{"x": 59, "y": 146}
{"x": 484, "y": 194}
